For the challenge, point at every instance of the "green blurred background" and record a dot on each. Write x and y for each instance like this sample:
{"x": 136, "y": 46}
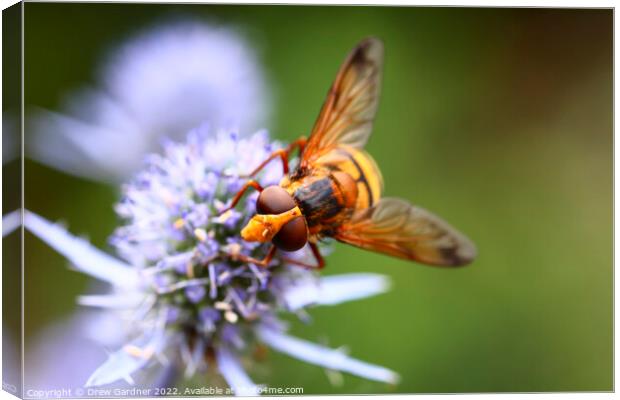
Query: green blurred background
{"x": 499, "y": 120}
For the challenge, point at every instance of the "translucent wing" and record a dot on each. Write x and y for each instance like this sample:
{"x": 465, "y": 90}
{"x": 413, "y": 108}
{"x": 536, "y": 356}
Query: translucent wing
{"x": 348, "y": 112}
{"x": 397, "y": 228}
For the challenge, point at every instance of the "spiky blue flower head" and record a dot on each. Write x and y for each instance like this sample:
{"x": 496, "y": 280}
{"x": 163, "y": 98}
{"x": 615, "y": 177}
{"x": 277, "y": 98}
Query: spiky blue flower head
{"x": 184, "y": 296}
{"x": 186, "y": 249}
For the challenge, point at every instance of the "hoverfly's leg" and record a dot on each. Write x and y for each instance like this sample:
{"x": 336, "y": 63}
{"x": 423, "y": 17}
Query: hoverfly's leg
{"x": 283, "y": 154}
{"x": 300, "y": 143}
{"x": 317, "y": 256}
{"x": 264, "y": 263}
{"x": 251, "y": 183}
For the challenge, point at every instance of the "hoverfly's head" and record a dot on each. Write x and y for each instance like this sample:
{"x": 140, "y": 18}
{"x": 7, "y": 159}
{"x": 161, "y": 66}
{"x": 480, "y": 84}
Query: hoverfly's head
{"x": 278, "y": 219}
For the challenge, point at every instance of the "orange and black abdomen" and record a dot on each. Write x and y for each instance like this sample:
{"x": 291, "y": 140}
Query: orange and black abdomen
{"x": 360, "y": 171}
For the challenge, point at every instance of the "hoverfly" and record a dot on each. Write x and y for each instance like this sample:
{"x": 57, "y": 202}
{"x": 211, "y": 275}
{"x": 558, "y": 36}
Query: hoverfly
{"x": 335, "y": 191}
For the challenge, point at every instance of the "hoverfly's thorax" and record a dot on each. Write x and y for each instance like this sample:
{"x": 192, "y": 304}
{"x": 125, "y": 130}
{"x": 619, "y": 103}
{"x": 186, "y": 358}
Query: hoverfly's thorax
{"x": 319, "y": 197}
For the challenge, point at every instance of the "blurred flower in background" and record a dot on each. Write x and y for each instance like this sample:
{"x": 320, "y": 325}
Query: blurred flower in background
{"x": 163, "y": 82}
{"x": 183, "y": 297}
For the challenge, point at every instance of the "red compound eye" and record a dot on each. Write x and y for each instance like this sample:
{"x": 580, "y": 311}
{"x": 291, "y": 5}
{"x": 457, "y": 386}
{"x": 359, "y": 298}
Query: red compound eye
{"x": 293, "y": 235}
{"x": 274, "y": 200}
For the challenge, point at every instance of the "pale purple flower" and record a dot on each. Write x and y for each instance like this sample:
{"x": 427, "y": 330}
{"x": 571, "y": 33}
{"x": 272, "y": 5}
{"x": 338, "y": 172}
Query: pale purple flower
{"x": 11, "y": 221}
{"x": 160, "y": 83}
{"x": 180, "y": 301}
